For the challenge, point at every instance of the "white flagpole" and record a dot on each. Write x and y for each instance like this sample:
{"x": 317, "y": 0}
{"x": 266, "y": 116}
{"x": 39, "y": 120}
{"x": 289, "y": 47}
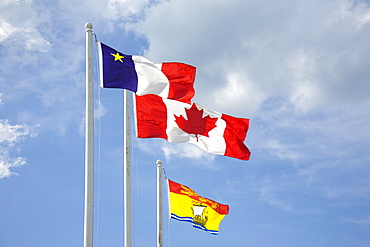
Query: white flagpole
{"x": 89, "y": 148}
{"x": 127, "y": 172}
{"x": 159, "y": 205}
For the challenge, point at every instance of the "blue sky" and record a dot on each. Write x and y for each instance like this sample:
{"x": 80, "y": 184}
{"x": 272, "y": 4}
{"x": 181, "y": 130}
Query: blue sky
{"x": 298, "y": 69}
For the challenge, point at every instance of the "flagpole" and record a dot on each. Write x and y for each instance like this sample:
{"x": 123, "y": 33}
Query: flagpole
{"x": 159, "y": 205}
{"x": 127, "y": 172}
{"x": 89, "y": 146}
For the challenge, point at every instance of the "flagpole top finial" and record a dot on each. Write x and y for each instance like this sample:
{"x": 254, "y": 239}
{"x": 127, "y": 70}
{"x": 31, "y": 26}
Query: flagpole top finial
{"x": 159, "y": 162}
{"x": 89, "y": 26}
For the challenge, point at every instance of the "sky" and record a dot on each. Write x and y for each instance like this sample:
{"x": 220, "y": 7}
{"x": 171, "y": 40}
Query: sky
{"x": 299, "y": 70}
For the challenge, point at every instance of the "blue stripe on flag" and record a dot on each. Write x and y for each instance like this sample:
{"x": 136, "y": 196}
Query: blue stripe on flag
{"x": 189, "y": 219}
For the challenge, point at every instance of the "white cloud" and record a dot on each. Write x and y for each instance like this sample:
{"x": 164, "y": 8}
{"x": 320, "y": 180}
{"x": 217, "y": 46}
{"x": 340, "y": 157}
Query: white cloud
{"x": 185, "y": 151}
{"x": 268, "y": 195}
{"x": 122, "y": 8}
{"x": 364, "y": 221}
{"x": 12, "y": 133}
{"x": 19, "y": 23}
{"x": 10, "y": 136}
{"x": 173, "y": 151}
{"x": 311, "y": 52}
{"x": 25, "y": 37}
{"x": 331, "y": 133}
{"x": 325, "y": 151}
{"x": 5, "y": 30}
{"x": 239, "y": 88}
{"x": 104, "y": 13}
{"x": 6, "y": 164}
{"x": 282, "y": 151}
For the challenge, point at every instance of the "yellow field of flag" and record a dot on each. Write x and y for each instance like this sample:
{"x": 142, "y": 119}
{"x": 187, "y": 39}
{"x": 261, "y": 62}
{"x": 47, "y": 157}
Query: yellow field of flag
{"x": 187, "y": 205}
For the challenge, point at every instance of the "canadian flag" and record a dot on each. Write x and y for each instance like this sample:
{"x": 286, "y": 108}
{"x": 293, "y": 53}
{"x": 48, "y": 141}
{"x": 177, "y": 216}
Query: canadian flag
{"x": 180, "y": 122}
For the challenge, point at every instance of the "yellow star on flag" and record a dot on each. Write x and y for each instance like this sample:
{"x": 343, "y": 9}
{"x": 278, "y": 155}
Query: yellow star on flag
{"x": 117, "y": 56}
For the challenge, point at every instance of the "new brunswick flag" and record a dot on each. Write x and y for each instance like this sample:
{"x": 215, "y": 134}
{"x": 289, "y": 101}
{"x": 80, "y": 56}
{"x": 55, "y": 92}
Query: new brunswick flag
{"x": 186, "y": 205}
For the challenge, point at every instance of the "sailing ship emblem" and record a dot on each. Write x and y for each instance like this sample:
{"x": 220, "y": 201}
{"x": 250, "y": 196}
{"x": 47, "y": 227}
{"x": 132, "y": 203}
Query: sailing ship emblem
{"x": 199, "y": 218}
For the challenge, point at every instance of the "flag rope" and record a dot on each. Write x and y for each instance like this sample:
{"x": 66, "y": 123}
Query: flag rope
{"x": 164, "y": 172}
{"x": 96, "y": 37}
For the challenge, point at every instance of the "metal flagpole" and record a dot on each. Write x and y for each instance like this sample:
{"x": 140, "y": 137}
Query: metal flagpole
{"x": 159, "y": 204}
{"x": 127, "y": 172}
{"x": 89, "y": 148}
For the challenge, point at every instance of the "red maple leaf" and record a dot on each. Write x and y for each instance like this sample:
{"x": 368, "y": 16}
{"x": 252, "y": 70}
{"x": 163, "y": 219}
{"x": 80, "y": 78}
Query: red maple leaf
{"x": 196, "y": 124}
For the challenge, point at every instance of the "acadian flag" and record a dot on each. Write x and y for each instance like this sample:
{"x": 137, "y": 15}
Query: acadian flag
{"x": 180, "y": 122}
{"x": 169, "y": 80}
{"x": 203, "y": 213}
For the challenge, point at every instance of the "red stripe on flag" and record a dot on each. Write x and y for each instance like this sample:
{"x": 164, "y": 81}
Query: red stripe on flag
{"x": 234, "y": 135}
{"x": 186, "y": 191}
{"x": 151, "y": 116}
{"x": 174, "y": 187}
{"x": 181, "y": 77}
